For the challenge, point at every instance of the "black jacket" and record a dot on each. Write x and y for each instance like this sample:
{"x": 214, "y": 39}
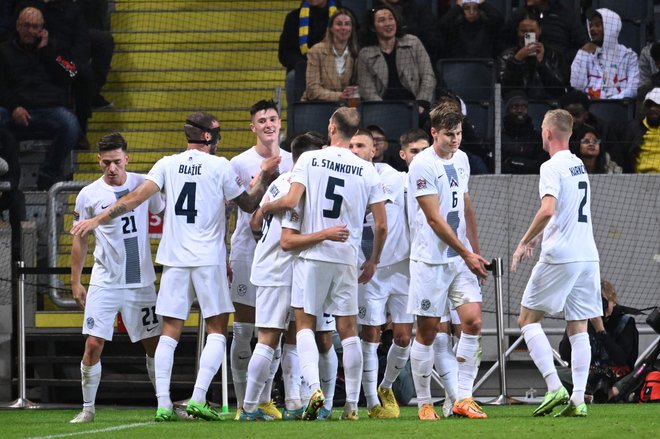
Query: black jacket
{"x": 522, "y": 150}
{"x": 545, "y": 80}
{"x": 471, "y": 40}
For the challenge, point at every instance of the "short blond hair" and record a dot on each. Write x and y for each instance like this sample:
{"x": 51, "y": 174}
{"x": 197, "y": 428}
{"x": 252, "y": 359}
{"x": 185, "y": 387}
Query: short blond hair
{"x": 608, "y": 291}
{"x": 560, "y": 120}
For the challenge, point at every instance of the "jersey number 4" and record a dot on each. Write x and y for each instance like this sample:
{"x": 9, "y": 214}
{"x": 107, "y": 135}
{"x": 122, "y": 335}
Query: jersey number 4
{"x": 336, "y": 199}
{"x": 187, "y": 197}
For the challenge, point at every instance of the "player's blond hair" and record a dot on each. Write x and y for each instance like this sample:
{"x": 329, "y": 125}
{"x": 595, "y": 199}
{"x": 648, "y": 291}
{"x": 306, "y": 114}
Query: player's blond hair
{"x": 560, "y": 120}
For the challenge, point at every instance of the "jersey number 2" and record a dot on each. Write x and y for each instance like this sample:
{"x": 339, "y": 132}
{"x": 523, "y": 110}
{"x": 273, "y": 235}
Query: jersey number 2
{"x": 582, "y": 218}
{"x": 336, "y": 199}
{"x": 187, "y": 197}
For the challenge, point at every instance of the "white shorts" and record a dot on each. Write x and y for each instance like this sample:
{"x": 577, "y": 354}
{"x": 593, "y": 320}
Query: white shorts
{"x": 451, "y": 315}
{"x": 387, "y": 291}
{"x": 320, "y": 287}
{"x": 273, "y": 307}
{"x": 432, "y": 284}
{"x": 180, "y": 285}
{"x": 137, "y": 307}
{"x": 572, "y": 287}
{"x": 242, "y": 290}
{"x": 324, "y": 322}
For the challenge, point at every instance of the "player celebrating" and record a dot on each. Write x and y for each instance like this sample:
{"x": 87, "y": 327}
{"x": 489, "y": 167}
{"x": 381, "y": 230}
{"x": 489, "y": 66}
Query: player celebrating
{"x": 122, "y": 276}
{"x": 326, "y": 274}
{"x": 567, "y": 275}
{"x": 196, "y": 184}
{"x": 265, "y": 124}
{"x": 444, "y": 259}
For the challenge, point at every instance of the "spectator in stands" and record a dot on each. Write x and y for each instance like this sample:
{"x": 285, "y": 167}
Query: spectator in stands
{"x": 416, "y": 18}
{"x": 331, "y": 64}
{"x": 522, "y": 149}
{"x": 471, "y": 30}
{"x": 603, "y": 68}
{"x": 11, "y": 197}
{"x": 382, "y": 151}
{"x": 649, "y": 78}
{"x": 412, "y": 142}
{"x": 532, "y": 66}
{"x": 585, "y": 143}
{"x": 35, "y": 74}
{"x": 561, "y": 26}
{"x": 394, "y": 65}
{"x": 303, "y": 28}
{"x": 641, "y": 138}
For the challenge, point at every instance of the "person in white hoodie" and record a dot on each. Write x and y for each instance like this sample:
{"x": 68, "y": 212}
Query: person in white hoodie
{"x": 603, "y": 68}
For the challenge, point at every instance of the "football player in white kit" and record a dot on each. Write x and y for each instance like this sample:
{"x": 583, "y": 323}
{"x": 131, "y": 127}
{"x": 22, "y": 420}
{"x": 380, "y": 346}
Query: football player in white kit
{"x": 444, "y": 260}
{"x": 567, "y": 275}
{"x": 196, "y": 184}
{"x": 387, "y": 291}
{"x": 326, "y": 276}
{"x": 265, "y": 124}
{"x": 123, "y": 274}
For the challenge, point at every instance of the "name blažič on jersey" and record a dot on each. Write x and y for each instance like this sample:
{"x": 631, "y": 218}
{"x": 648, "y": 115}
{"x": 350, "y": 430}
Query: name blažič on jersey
{"x": 190, "y": 169}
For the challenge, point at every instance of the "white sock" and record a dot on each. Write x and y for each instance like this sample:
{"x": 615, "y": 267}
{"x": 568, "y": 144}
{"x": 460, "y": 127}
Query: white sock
{"x": 258, "y": 371}
{"x": 328, "y": 364}
{"x": 240, "y": 353}
{"x": 469, "y": 349}
{"x": 352, "y": 360}
{"x": 163, "y": 360}
{"x": 90, "y": 377}
{"x": 308, "y": 354}
{"x": 397, "y": 357}
{"x": 446, "y": 365}
{"x": 151, "y": 370}
{"x": 370, "y": 373}
{"x": 541, "y": 352}
{"x": 209, "y": 363}
{"x": 274, "y": 365}
{"x": 421, "y": 364}
{"x": 291, "y": 376}
{"x": 580, "y": 361}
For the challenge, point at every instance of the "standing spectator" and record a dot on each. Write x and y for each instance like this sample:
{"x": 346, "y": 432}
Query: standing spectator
{"x": 416, "y": 19}
{"x": 649, "y": 60}
{"x": 533, "y": 67}
{"x": 603, "y": 68}
{"x": 641, "y": 139}
{"x": 561, "y": 26}
{"x": 384, "y": 152}
{"x": 522, "y": 151}
{"x": 34, "y": 78}
{"x": 11, "y": 197}
{"x": 331, "y": 73}
{"x": 303, "y": 28}
{"x": 393, "y": 65}
{"x": 586, "y": 145}
{"x": 471, "y": 29}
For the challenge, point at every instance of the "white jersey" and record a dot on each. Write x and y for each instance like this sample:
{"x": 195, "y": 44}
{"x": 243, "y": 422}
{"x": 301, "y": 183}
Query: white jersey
{"x": 338, "y": 188}
{"x": 196, "y": 185}
{"x": 247, "y": 165}
{"x": 271, "y": 265}
{"x": 569, "y": 235}
{"x": 397, "y": 245}
{"x": 122, "y": 255}
{"x": 448, "y": 179}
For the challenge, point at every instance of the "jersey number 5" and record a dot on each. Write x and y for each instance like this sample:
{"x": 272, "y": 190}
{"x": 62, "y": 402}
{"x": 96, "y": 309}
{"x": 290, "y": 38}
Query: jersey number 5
{"x": 336, "y": 199}
{"x": 187, "y": 197}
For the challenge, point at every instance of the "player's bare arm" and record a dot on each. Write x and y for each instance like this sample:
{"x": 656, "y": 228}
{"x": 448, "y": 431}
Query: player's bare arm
{"x": 380, "y": 235}
{"x": 293, "y": 240}
{"x": 430, "y": 205}
{"x": 526, "y": 245}
{"x": 123, "y": 205}
{"x": 78, "y": 254}
{"x": 471, "y": 224}
{"x": 249, "y": 201}
{"x": 256, "y": 222}
{"x": 289, "y": 201}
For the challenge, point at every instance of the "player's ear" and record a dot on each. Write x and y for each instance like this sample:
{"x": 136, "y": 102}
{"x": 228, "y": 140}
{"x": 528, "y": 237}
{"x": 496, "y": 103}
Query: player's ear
{"x": 252, "y": 128}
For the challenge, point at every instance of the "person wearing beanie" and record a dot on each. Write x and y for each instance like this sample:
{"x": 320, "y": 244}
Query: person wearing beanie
{"x": 522, "y": 152}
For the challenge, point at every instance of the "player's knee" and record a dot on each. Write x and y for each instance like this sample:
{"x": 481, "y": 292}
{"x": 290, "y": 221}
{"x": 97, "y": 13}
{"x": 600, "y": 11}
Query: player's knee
{"x": 401, "y": 338}
{"x": 93, "y": 349}
{"x": 472, "y": 326}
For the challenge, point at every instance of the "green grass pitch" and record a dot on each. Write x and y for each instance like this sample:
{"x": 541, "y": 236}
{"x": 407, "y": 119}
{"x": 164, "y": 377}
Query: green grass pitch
{"x": 512, "y": 422}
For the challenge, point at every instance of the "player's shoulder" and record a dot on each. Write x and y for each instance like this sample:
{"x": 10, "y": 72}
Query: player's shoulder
{"x": 92, "y": 188}
{"x": 248, "y": 155}
{"x": 424, "y": 159}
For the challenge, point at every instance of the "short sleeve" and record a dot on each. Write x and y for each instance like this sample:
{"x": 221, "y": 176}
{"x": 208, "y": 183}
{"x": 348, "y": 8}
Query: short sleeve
{"x": 549, "y": 183}
{"x": 299, "y": 172}
{"x": 293, "y": 217}
{"x": 79, "y": 213}
{"x": 232, "y": 186}
{"x": 157, "y": 172}
{"x": 377, "y": 189}
{"x": 421, "y": 179}
{"x": 156, "y": 203}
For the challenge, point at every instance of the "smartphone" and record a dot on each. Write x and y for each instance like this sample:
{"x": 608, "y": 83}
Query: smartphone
{"x": 530, "y": 38}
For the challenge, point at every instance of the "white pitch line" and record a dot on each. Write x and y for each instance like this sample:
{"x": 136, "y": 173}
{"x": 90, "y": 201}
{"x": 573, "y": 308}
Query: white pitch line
{"x": 103, "y": 430}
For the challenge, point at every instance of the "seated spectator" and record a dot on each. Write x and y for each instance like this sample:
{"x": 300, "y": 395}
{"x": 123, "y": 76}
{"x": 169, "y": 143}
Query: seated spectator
{"x": 303, "y": 28}
{"x": 393, "y": 65}
{"x": 416, "y": 19}
{"x": 522, "y": 149}
{"x": 648, "y": 63}
{"x": 614, "y": 341}
{"x": 331, "y": 66}
{"x": 11, "y": 197}
{"x": 537, "y": 69}
{"x": 586, "y": 145}
{"x": 412, "y": 142}
{"x": 471, "y": 30}
{"x": 641, "y": 139}
{"x": 34, "y": 78}
{"x": 603, "y": 68}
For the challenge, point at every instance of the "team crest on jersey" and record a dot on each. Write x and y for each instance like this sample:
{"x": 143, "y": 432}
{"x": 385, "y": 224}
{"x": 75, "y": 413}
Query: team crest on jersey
{"x": 274, "y": 191}
{"x": 425, "y": 305}
{"x": 295, "y": 218}
{"x": 461, "y": 173}
{"x": 242, "y": 290}
{"x": 453, "y": 182}
{"x": 90, "y": 322}
{"x": 239, "y": 182}
{"x": 362, "y": 311}
{"x": 76, "y": 216}
{"x": 421, "y": 183}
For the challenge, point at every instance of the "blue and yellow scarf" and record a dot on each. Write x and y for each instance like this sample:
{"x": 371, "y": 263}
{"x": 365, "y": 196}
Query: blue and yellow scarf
{"x": 303, "y": 23}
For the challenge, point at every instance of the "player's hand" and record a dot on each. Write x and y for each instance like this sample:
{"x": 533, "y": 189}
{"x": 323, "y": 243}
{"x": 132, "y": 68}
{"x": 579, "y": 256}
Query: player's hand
{"x": 368, "y": 270}
{"x": 79, "y": 294}
{"x": 589, "y": 47}
{"x": 540, "y": 51}
{"x": 477, "y": 265}
{"x": 270, "y": 165}
{"x": 337, "y": 233}
{"x": 522, "y": 251}
{"x": 84, "y": 227}
{"x": 21, "y": 116}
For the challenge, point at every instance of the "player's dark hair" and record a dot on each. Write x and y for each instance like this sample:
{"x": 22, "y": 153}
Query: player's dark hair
{"x": 112, "y": 141}
{"x": 445, "y": 117}
{"x": 364, "y": 132}
{"x": 308, "y": 141}
{"x": 411, "y": 136}
{"x": 264, "y": 105}
{"x": 375, "y": 128}
{"x": 347, "y": 121}
{"x": 199, "y": 118}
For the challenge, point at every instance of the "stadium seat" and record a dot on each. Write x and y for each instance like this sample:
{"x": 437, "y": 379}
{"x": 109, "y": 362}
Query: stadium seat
{"x": 470, "y": 79}
{"x": 480, "y": 113}
{"x": 633, "y": 34}
{"x": 395, "y": 117}
{"x": 359, "y": 8}
{"x": 630, "y": 9}
{"x": 537, "y": 109}
{"x": 613, "y": 110}
{"x": 310, "y": 116}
